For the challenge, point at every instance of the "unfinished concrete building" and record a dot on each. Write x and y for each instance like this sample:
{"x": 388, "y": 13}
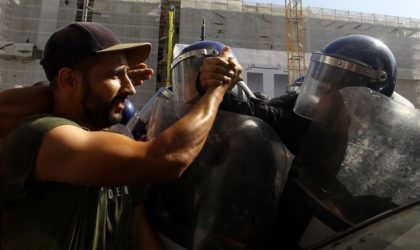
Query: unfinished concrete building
{"x": 256, "y": 31}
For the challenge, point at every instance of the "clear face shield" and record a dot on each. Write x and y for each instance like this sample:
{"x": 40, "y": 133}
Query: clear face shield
{"x": 185, "y": 70}
{"x": 327, "y": 74}
{"x": 293, "y": 89}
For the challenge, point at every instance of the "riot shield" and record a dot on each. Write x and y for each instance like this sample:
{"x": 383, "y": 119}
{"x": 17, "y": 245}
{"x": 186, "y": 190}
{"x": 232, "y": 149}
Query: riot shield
{"x": 227, "y": 198}
{"x": 360, "y": 155}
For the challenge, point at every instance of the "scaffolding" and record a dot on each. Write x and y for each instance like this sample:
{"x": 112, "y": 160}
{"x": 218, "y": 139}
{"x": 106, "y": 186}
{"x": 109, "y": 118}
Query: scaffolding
{"x": 168, "y": 36}
{"x": 259, "y": 27}
{"x": 295, "y": 40}
{"x": 170, "y": 45}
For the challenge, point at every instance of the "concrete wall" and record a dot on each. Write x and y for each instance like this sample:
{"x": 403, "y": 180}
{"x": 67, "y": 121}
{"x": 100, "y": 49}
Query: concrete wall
{"x": 34, "y": 21}
{"x": 260, "y": 27}
{"x": 255, "y": 27}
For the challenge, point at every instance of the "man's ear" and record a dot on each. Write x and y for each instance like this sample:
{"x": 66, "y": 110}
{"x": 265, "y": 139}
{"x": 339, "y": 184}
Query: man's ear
{"x": 67, "y": 78}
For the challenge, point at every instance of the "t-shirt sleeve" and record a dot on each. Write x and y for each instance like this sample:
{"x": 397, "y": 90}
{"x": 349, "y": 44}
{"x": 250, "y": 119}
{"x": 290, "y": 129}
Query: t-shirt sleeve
{"x": 20, "y": 150}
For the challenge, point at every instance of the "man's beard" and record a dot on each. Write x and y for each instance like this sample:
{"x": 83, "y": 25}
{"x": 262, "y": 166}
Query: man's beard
{"x": 99, "y": 112}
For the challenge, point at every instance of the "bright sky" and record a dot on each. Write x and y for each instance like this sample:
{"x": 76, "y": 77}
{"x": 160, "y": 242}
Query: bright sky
{"x": 402, "y": 8}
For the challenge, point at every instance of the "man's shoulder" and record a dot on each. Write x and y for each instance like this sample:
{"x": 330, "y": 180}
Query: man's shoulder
{"x": 37, "y": 125}
{"x": 45, "y": 120}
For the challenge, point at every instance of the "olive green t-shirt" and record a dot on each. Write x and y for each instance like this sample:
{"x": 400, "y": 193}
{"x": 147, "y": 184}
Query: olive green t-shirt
{"x": 50, "y": 215}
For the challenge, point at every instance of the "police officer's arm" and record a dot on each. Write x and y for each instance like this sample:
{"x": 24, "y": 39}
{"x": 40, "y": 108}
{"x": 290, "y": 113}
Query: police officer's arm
{"x": 72, "y": 155}
{"x": 278, "y": 112}
{"x": 15, "y": 104}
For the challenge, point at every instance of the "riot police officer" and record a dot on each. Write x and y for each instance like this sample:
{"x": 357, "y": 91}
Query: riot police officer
{"x": 315, "y": 198}
{"x": 228, "y": 199}
{"x": 354, "y": 60}
{"x": 348, "y": 61}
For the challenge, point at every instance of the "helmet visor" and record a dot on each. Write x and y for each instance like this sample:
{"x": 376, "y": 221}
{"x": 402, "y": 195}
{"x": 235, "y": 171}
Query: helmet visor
{"x": 185, "y": 69}
{"x": 325, "y": 75}
{"x": 184, "y": 77}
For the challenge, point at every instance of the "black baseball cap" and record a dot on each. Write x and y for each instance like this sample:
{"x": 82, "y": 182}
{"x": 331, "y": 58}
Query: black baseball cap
{"x": 78, "y": 41}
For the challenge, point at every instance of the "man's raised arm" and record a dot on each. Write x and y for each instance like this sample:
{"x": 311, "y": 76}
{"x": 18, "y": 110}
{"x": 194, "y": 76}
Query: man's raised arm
{"x": 115, "y": 159}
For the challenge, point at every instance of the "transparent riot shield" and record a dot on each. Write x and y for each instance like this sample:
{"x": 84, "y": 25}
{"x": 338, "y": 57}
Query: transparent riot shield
{"x": 121, "y": 129}
{"x": 228, "y": 197}
{"x": 361, "y": 155}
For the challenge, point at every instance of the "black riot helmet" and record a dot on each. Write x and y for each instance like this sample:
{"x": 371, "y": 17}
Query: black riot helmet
{"x": 128, "y": 111}
{"x": 186, "y": 67}
{"x": 353, "y": 60}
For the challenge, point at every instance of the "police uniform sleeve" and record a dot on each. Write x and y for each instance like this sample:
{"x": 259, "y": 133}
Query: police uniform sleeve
{"x": 277, "y": 112}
